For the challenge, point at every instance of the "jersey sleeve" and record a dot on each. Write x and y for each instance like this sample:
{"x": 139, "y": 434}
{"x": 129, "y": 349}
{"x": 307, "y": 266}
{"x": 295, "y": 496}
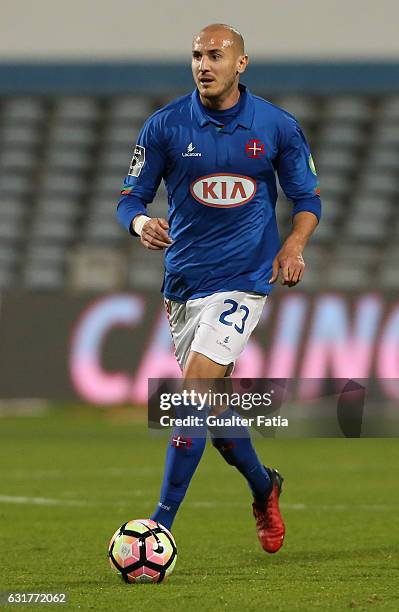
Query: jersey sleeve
{"x": 145, "y": 173}
{"x": 296, "y": 170}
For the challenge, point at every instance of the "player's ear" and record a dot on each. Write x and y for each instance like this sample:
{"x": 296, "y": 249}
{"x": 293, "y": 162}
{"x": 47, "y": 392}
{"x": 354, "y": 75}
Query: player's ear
{"x": 242, "y": 64}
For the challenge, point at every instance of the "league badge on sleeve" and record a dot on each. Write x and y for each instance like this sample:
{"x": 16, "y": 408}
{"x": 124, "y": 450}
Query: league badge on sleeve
{"x": 312, "y": 166}
{"x": 137, "y": 162}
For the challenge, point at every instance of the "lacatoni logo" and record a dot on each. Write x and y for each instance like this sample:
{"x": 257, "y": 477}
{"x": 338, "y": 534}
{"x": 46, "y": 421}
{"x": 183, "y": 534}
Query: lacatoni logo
{"x": 191, "y": 151}
{"x": 223, "y": 190}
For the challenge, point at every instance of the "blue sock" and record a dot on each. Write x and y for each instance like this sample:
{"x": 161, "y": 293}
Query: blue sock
{"x": 183, "y": 454}
{"x": 235, "y": 446}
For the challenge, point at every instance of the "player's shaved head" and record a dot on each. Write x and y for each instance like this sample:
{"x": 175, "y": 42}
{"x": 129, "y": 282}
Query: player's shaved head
{"x": 229, "y": 36}
{"x": 218, "y": 60}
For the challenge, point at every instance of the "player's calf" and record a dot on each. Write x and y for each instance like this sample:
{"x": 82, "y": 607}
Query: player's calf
{"x": 235, "y": 446}
{"x": 184, "y": 452}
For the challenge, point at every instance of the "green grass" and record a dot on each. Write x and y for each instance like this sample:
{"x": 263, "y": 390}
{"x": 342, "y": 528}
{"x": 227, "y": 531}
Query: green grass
{"x": 341, "y": 503}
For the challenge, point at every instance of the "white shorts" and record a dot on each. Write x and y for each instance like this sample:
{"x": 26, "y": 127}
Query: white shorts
{"x": 217, "y": 326}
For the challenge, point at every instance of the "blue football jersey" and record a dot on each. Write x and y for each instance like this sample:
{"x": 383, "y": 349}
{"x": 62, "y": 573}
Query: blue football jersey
{"x": 222, "y": 191}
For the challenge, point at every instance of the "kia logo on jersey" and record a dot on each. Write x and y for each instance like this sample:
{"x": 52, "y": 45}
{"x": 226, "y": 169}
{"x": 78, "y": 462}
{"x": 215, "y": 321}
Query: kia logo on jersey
{"x": 223, "y": 190}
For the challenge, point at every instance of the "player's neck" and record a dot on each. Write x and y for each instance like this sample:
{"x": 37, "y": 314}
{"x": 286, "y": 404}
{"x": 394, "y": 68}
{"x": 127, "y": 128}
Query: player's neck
{"x": 222, "y": 103}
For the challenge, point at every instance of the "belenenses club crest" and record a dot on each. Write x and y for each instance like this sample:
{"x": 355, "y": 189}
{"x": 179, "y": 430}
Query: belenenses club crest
{"x": 137, "y": 162}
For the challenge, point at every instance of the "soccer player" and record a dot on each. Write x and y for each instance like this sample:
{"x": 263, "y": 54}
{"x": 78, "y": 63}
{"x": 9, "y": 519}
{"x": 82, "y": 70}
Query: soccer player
{"x": 218, "y": 151}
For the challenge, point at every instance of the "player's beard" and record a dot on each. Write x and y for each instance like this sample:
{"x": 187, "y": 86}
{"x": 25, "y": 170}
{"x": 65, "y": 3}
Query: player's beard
{"x": 222, "y": 94}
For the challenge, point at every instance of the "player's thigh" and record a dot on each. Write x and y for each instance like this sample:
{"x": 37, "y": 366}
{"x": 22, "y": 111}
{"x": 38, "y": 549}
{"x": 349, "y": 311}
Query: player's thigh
{"x": 198, "y": 366}
{"x": 182, "y": 329}
{"x": 226, "y": 322}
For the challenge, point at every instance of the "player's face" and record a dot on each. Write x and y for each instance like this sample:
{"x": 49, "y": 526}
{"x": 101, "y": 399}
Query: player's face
{"x": 216, "y": 64}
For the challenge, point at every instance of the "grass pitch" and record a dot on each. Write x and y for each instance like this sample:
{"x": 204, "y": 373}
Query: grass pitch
{"x": 70, "y": 478}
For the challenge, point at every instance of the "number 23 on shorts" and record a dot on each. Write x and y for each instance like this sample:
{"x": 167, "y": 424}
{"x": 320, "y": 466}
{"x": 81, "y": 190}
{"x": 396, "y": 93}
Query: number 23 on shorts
{"x": 232, "y": 310}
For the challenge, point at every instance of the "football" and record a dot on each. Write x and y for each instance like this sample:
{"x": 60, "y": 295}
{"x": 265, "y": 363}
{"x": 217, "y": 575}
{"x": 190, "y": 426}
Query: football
{"x": 142, "y": 550}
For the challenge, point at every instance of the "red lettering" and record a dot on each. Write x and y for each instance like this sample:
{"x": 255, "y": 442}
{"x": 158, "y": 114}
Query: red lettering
{"x": 238, "y": 186}
{"x": 224, "y": 190}
{"x": 208, "y": 190}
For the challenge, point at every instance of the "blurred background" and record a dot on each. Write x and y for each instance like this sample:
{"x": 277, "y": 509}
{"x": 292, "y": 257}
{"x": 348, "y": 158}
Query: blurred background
{"x": 81, "y": 316}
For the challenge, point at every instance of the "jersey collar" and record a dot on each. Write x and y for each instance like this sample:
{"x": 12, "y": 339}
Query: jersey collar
{"x": 244, "y": 118}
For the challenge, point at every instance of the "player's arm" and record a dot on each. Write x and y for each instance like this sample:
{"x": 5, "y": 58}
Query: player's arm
{"x": 140, "y": 186}
{"x": 297, "y": 176}
{"x": 290, "y": 257}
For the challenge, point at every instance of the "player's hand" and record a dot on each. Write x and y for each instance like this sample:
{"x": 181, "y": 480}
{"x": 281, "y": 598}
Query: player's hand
{"x": 290, "y": 264}
{"x": 154, "y": 234}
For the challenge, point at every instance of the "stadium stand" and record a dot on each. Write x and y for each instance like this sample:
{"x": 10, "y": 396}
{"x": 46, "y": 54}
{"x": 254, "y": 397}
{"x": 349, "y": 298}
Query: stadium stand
{"x": 63, "y": 159}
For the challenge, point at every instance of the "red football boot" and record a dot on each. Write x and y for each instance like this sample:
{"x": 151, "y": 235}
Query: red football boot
{"x": 269, "y": 522}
